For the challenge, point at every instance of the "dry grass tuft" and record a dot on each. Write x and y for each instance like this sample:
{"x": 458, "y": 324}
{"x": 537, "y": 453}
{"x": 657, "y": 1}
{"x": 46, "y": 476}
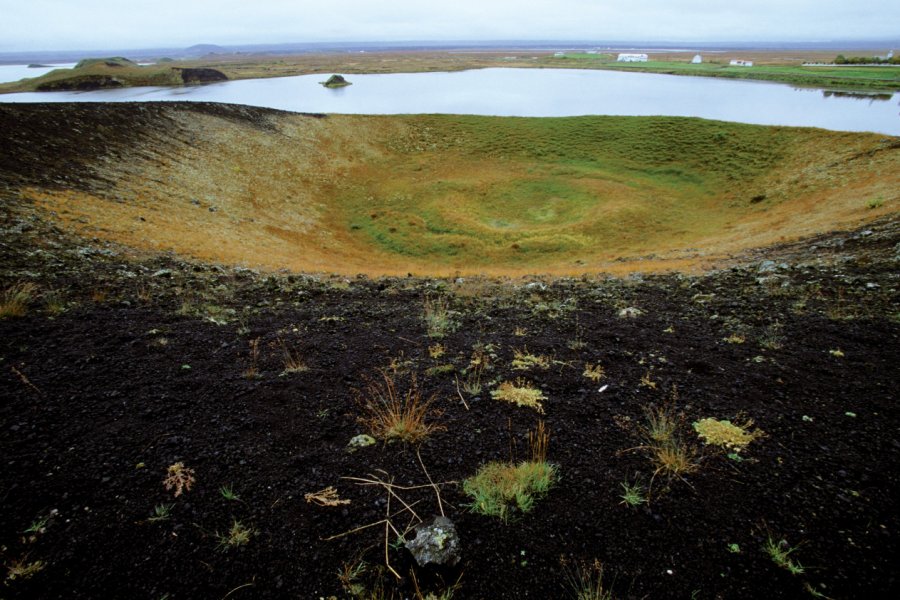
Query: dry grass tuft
{"x": 586, "y": 581}
{"x": 520, "y": 393}
{"x": 327, "y": 497}
{"x": 252, "y": 370}
{"x": 15, "y": 300}
{"x": 293, "y": 360}
{"x": 392, "y": 415}
{"x": 672, "y": 456}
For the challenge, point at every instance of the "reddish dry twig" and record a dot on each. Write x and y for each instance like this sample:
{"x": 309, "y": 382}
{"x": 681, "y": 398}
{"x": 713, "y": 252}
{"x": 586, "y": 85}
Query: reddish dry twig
{"x": 24, "y": 379}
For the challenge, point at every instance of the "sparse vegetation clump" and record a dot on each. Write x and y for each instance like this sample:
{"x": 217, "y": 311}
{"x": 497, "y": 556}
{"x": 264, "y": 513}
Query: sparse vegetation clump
{"x": 292, "y": 360}
{"x": 161, "y": 512}
{"x": 238, "y": 535}
{"x": 594, "y": 372}
{"x": 672, "y": 456}
{"x": 780, "y": 553}
{"x": 633, "y": 494}
{"x": 726, "y": 434}
{"x": 520, "y": 393}
{"x": 499, "y": 489}
{"x": 395, "y": 415}
{"x": 586, "y": 581}
{"x": 524, "y": 360}
{"x": 14, "y": 301}
{"x": 22, "y": 569}
{"x": 438, "y": 317}
{"x": 179, "y": 478}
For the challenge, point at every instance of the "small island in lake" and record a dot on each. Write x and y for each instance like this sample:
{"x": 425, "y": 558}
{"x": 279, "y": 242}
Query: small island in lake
{"x": 336, "y": 81}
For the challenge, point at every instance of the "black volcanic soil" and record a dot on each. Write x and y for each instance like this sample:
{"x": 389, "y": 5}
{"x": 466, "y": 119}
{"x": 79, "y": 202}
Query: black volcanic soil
{"x": 127, "y": 363}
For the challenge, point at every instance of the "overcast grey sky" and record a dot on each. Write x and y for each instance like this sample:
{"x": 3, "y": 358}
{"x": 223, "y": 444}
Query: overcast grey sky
{"x": 119, "y": 24}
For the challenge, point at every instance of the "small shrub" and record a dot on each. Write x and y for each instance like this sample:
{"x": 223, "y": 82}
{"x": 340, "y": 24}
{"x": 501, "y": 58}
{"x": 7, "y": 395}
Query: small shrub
{"x": 436, "y": 351}
{"x": 734, "y": 338}
{"x": 392, "y": 415}
{"x": 520, "y": 393}
{"x": 875, "y": 203}
{"x": 179, "y": 478}
{"x": 726, "y": 434}
{"x": 15, "y": 300}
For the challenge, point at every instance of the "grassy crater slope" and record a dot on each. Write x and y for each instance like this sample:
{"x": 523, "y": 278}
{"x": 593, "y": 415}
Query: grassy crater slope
{"x": 437, "y": 195}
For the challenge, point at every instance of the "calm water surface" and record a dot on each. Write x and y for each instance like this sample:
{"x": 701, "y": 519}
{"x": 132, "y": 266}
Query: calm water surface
{"x": 533, "y": 93}
{"x": 16, "y": 72}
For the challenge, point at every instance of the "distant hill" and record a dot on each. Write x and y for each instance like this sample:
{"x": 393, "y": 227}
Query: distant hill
{"x": 203, "y": 49}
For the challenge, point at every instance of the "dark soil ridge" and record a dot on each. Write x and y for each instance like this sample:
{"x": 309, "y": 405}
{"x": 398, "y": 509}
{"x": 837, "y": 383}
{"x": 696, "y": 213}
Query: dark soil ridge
{"x": 62, "y": 146}
{"x": 142, "y": 367}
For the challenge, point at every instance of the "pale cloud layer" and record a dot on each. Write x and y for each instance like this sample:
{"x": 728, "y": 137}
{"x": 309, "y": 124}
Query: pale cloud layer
{"x": 99, "y": 24}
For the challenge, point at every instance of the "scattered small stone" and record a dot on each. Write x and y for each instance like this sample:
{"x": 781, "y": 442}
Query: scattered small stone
{"x": 630, "y": 313}
{"x": 360, "y": 441}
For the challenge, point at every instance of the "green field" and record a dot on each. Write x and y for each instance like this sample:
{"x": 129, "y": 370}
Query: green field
{"x": 856, "y": 77}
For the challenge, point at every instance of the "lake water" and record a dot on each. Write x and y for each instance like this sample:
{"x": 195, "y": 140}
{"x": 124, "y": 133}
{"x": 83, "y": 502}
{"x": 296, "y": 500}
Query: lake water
{"x": 16, "y": 72}
{"x": 533, "y": 93}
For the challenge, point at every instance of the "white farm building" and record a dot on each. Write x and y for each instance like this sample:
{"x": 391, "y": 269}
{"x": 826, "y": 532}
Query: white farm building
{"x": 697, "y": 59}
{"x": 632, "y": 58}
{"x": 741, "y": 63}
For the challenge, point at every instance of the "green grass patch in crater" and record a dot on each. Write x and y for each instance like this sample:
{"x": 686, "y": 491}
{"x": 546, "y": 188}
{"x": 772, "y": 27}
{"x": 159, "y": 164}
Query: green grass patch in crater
{"x": 530, "y": 191}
